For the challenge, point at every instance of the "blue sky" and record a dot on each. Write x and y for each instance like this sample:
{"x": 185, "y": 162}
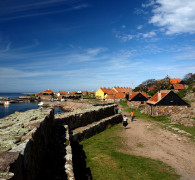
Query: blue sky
{"x": 86, "y": 44}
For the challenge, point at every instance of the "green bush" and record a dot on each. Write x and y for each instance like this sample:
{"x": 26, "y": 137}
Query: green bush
{"x": 182, "y": 93}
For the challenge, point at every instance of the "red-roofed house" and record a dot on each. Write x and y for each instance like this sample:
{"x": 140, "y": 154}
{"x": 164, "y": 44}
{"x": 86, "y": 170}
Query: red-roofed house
{"x": 120, "y": 96}
{"x": 84, "y": 92}
{"x": 46, "y": 95}
{"x": 102, "y": 92}
{"x": 175, "y": 81}
{"x": 177, "y": 87}
{"x": 38, "y": 94}
{"x": 164, "y": 103}
{"x": 116, "y": 93}
{"x": 61, "y": 93}
{"x": 48, "y": 92}
{"x": 115, "y": 97}
{"x": 125, "y": 90}
{"x": 137, "y": 99}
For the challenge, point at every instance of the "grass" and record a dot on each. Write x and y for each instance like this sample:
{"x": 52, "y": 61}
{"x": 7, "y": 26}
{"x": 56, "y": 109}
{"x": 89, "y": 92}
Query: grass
{"x": 182, "y": 93}
{"x": 139, "y": 145}
{"x": 190, "y": 130}
{"x": 106, "y": 162}
{"x": 138, "y": 114}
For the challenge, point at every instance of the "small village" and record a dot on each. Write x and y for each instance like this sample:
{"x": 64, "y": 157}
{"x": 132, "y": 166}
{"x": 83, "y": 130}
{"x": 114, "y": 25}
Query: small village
{"x": 155, "y": 100}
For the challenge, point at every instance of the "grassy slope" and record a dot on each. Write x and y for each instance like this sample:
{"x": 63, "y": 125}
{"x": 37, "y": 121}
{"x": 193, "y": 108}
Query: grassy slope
{"x": 107, "y": 163}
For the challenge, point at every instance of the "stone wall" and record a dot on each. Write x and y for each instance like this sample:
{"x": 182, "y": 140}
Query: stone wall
{"x": 25, "y": 140}
{"x": 163, "y": 110}
{"x": 68, "y": 157}
{"x": 28, "y": 138}
{"x": 45, "y": 97}
{"x": 70, "y": 105}
{"x": 95, "y": 128}
{"x": 81, "y": 118}
{"x": 184, "y": 117}
{"x": 136, "y": 104}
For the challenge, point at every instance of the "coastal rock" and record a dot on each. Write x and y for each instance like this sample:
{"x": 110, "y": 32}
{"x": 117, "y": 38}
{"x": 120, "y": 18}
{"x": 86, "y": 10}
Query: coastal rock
{"x": 17, "y": 126}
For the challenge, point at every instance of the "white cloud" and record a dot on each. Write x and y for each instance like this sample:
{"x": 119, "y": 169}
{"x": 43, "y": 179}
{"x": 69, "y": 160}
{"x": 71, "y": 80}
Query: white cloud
{"x": 6, "y": 72}
{"x": 128, "y": 37}
{"x": 95, "y": 51}
{"x": 6, "y": 48}
{"x": 151, "y": 3}
{"x": 139, "y": 11}
{"x": 175, "y": 16}
{"x": 22, "y": 9}
{"x": 186, "y": 53}
{"x": 139, "y": 27}
{"x": 148, "y": 35}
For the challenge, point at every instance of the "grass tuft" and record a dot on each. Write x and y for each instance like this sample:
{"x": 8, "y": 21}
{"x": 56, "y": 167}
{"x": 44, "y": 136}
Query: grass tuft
{"x": 188, "y": 129}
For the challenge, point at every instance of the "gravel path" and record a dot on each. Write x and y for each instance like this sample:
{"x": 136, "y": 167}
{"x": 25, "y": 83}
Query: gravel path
{"x": 148, "y": 139}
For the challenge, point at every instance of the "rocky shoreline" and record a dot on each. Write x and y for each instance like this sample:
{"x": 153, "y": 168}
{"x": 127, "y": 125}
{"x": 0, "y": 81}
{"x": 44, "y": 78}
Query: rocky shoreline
{"x": 15, "y": 128}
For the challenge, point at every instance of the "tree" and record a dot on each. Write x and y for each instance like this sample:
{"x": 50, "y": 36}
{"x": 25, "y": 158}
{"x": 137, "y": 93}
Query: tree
{"x": 189, "y": 78}
{"x": 148, "y": 82}
{"x": 143, "y": 86}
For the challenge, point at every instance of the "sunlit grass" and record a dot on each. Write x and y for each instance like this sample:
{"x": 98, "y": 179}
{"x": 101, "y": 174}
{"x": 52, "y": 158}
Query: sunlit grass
{"x": 107, "y": 163}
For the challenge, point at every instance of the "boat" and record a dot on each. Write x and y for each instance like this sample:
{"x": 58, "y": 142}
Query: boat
{"x": 6, "y": 103}
{"x": 40, "y": 104}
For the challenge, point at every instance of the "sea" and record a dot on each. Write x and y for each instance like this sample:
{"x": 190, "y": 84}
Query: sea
{"x": 20, "y": 107}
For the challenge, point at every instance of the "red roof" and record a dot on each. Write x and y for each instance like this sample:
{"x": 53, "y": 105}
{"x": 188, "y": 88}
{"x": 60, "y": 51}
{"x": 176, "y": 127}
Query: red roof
{"x": 175, "y": 81}
{"x": 131, "y": 96}
{"x": 74, "y": 92}
{"x": 120, "y": 95}
{"x": 157, "y": 97}
{"x": 116, "y": 96}
{"x": 84, "y": 92}
{"x": 178, "y": 86}
{"x": 108, "y": 91}
{"x": 38, "y": 94}
{"x": 124, "y": 90}
{"x": 63, "y": 92}
{"x": 48, "y": 91}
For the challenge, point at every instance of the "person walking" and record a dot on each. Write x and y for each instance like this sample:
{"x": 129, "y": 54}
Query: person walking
{"x": 132, "y": 116}
{"x": 125, "y": 121}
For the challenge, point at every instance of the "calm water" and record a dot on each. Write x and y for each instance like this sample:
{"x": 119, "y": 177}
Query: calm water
{"x": 20, "y": 107}
{"x": 11, "y": 95}
{"x": 13, "y": 107}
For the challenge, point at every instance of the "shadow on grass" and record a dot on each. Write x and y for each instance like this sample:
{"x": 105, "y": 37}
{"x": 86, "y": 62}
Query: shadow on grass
{"x": 81, "y": 171}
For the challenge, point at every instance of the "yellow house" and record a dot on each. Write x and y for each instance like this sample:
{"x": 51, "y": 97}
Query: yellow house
{"x": 102, "y": 92}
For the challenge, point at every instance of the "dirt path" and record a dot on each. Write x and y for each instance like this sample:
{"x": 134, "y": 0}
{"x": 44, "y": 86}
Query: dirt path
{"x": 148, "y": 139}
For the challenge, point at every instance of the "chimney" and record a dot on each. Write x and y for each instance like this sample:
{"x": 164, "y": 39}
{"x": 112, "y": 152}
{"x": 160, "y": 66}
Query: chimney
{"x": 159, "y": 96}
